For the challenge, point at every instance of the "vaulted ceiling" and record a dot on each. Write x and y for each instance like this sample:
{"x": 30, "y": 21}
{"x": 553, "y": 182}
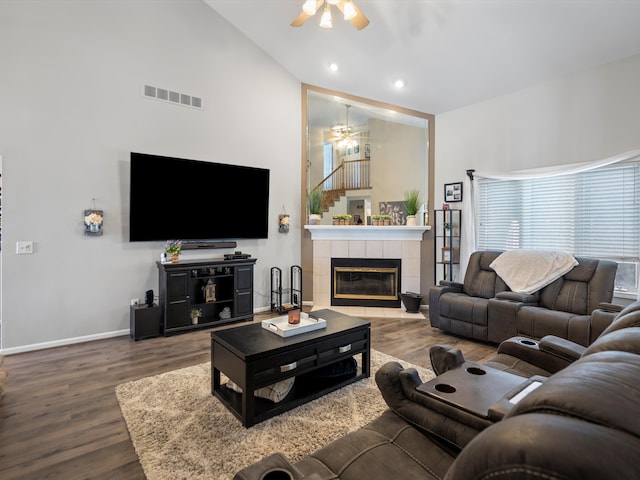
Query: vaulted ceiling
{"x": 450, "y": 53}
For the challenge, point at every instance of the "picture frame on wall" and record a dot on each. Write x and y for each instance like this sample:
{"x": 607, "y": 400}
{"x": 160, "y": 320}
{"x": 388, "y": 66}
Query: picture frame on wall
{"x": 453, "y": 192}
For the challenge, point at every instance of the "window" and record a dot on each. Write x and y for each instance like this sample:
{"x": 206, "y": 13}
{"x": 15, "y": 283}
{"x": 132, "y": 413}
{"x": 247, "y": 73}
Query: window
{"x": 592, "y": 214}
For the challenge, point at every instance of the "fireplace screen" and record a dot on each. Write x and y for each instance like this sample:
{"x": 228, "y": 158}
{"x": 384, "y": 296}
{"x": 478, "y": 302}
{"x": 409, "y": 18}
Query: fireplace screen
{"x": 368, "y": 282}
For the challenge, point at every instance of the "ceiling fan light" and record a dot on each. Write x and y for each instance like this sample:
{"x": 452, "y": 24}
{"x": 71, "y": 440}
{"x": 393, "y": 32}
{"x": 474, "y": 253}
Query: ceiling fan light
{"x": 325, "y": 21}
{"x": 349, "y": 11}
{"x": 309, "y": 7}
{"x": 333, "y": 2}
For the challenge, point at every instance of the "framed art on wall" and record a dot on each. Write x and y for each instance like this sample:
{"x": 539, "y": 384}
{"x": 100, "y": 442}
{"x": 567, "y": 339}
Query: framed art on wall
{"x": 453, "y": 192}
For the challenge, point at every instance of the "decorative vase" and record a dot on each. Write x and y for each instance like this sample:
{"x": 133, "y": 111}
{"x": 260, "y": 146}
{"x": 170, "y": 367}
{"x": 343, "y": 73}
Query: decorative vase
{"x": 175, "y": 257}
{"x": 314, "y": 219}
{"x": 194, "y": 320}
{"x": 411, "y": 221}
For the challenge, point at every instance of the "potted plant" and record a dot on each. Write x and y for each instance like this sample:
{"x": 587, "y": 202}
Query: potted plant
{"x": 381, "y": 219}
{"x": 314, "y": 201}
{"x": 173, "y": 247}
{"x": 195, "y": 314}
{"x": 341, "y": 219}
{"x": 412, "y": 205}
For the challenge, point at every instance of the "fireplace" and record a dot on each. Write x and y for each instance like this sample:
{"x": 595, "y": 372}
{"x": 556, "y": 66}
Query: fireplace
{"x": 369, "y": 282}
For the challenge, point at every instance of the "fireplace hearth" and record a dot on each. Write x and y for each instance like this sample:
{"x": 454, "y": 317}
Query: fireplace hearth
{"x": 369, "y": 282}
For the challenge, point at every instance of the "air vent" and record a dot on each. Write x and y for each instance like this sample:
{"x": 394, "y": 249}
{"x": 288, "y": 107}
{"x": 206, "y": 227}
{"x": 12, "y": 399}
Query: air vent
{"x": 171, "y": 96}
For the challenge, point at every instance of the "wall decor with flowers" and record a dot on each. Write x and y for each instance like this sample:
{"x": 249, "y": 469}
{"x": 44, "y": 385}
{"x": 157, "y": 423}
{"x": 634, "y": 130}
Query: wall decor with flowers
{"x": 93, "y": 221}
{"x": 283, "y": 221}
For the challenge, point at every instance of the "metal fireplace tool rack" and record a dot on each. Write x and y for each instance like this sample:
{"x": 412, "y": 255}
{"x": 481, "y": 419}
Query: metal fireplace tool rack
{"x": 294, "y": 292}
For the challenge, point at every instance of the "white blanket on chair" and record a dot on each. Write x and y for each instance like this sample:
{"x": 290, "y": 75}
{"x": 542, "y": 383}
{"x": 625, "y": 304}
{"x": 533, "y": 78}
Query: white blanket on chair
{"x": 527, "y": 271}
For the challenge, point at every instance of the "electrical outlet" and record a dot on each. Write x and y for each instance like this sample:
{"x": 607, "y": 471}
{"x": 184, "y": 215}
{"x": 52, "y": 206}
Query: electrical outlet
{"x": 23, "y": 248}
{"x": 135, "y": 301}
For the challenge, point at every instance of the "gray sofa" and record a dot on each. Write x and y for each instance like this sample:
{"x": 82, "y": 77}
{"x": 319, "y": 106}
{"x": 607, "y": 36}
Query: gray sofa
{"x": 484, "y": 308}
{"x": 581, "y": 422}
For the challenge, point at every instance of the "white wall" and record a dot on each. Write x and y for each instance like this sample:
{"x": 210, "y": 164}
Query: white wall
{"x": 398, "y": 162}
{"x": 71, "y": 111}
{"x": 584, "y": 117}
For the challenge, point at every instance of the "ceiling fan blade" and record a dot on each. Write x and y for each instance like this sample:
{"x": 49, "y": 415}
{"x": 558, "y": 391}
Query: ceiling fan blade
{"x": 300, "y": 19}
{"x": 304, "y": 16}
{"x": 360, "y": 20}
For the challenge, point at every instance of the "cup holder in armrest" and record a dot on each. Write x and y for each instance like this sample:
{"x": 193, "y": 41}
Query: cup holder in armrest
{"x": 476, "y": 371}
{"x": 445, "y": 388}
{"x": 276, "y": 474}
{"x": 527, "y": 342}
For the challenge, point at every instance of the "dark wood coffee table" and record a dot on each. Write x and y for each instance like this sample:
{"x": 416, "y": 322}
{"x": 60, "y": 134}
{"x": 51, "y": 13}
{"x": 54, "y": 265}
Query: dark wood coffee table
{"x": 253, "y": 357}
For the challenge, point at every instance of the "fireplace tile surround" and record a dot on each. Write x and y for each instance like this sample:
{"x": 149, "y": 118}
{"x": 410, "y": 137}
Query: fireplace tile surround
{"x": 360, "y": 241}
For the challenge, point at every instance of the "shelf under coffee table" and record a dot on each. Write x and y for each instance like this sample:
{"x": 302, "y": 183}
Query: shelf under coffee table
{"x": 253, "y": 357}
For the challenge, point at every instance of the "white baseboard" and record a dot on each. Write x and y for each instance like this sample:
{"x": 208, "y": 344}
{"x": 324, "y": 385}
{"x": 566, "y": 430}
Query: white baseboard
{"x": 88, "y": 338}
{"x": 64, "y": 341}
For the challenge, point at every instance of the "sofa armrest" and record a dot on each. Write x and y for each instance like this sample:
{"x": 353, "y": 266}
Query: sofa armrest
{"x": 275, "y": 465}
{"x": 550, "y": 353}
{"x": 429, "y": 415}
{"x": 518, "y": 297}
{"x": 561, "y": 348}
{"x": 435, "y": 293}
{"x": 610, "y": 307}
{"x": 502, "y": 315}
{"x": 601, "y": 318}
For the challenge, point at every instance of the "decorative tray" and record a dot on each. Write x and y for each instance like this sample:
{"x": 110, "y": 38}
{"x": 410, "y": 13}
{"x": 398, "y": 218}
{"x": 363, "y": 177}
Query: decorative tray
{"x": 281, "y": 326}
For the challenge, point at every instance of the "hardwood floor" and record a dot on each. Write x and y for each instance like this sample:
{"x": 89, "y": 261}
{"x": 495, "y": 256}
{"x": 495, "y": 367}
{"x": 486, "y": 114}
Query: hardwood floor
{"x": 59, "y": 417}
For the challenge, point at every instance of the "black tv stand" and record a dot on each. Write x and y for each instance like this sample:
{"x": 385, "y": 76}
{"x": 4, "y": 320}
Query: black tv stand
{"x": 185, "y": 285}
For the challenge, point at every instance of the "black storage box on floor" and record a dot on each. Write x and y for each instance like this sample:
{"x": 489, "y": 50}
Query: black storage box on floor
{"x": 411, "y": 301}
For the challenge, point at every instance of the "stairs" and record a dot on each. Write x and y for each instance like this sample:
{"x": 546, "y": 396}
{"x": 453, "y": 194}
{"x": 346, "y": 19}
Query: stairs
{"x": 330, "y": 198}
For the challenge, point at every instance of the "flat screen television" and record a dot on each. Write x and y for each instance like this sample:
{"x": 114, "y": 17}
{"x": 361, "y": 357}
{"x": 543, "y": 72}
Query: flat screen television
{"x": 192, "y": 200}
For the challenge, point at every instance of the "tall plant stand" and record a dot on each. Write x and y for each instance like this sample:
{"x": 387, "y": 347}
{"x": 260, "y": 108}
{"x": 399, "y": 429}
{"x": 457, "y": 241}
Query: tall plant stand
{"x": 294, "y": 292}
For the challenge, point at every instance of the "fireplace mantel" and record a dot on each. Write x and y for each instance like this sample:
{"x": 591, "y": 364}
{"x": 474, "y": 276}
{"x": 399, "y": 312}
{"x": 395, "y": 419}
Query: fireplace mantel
{"x": 367, "y": 232}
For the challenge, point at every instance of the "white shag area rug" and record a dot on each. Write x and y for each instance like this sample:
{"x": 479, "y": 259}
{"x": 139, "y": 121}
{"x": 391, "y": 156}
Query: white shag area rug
{"x": 180, "y": 431}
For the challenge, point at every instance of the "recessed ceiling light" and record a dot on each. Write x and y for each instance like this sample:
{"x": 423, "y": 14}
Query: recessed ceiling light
{"x": 333, "y": 66}
{"x": 399, "y": 83}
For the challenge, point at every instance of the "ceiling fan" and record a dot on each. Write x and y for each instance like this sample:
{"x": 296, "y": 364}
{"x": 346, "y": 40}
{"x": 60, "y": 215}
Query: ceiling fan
{"x": 347, "y": 7}
{"x": 342, "y": 135}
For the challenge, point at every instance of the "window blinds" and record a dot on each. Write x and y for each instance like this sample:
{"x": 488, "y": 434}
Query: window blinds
{"x": 594, "y": 213}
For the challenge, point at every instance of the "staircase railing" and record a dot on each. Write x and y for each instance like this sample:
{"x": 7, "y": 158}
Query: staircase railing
{"x": 350, "y": 175}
